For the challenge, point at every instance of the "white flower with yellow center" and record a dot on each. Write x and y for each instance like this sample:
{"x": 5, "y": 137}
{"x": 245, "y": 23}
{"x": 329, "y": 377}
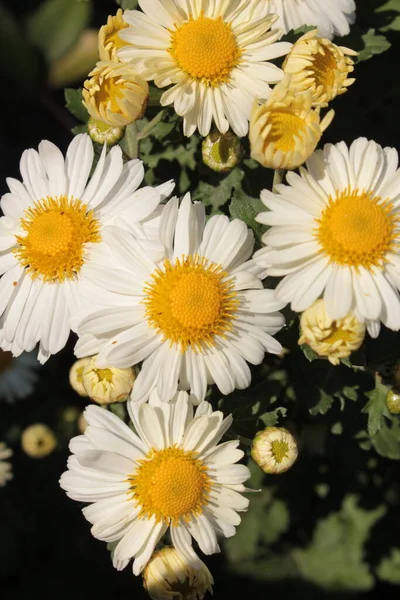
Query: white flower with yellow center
{"x": 193, "y": 308}
{"x": 5, "y": 466}
{"x": 316, "y": 64}
{"x": 17, "y": 375}
{"x": 214, "y": 54}
{"x": 336, "y": 232}
{"x": 332, "y": 17}
{"x": 53, "y": 225}
{"x": 172, "y": 474}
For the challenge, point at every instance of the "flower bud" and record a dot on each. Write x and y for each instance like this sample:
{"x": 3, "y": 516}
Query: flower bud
{"x": 109, "y": 40}
{"x": 106, "y": 386}
{"x": 393, "y": 402}
{"x": 169, "y": 575}
{"x": 334, "y": 339}
{"x": 221, "y": 151}
{"x": 5, "y": 466}
{"x": 274, "y": 450}
{"x": 75, "y": 376}
{"x": 102, "y": 133}
{"x": 38, "y": 440}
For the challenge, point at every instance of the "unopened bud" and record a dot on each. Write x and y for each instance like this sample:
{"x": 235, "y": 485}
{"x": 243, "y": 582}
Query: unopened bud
{"x": 274, "y": 450}
{"x": 393, "y": 402}
{"x": 102, "y": 133}
{"x": 221, "y": 151}
{"x": 38, "y": 441}
{"x": 106, "y": 386}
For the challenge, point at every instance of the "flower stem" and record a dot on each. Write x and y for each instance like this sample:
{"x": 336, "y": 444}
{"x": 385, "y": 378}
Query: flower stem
{"x": 278, "y": 178}
{"x": 147, "y": 129}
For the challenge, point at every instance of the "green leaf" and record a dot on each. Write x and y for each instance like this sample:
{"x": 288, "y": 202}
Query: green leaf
{"x": 373, "y": 44}
{"x": 309, "y": 352}
{"x": 246, "y": 209}
{"x": 73, "y": 101}
{"x": 325, "y": 403}
{"x": 118, "y": 409}
{"x": 334, "y": 559}
{"x": 129, "y": 142}
{"x": 351, "y": 392}
{"x": 376, "y": 408}
{"x": 127, "y": 4}
{"x": 386, "y": 441}
{"x": 389, "y": 568}
{"x": 274, "y": 522}
{"x": 271, "y": 418}
{"x": 219, "y": 195}
{"x": 393, "y": 7}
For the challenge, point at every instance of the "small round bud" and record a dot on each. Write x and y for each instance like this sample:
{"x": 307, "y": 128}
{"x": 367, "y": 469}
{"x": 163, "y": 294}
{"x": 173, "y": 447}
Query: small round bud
{"x": 5, "y": 466}
{"x": 102, "y": 133}
{"x": 274, "y": 450}
{"x": 169, "y": 575}
{"x": 221, "y": 151}
{"x": 75, "y": 376}
{"x": 106, "y": 386}
{"x": 393, "y": 402}
{"x": 38, "y": 440}
{"x": 334, "y": 339}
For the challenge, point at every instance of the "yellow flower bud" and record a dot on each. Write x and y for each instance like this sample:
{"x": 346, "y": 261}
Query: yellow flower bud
{"x": 75, "y": 376}
{"x": 274, "y": 450}
{"x": 169, "y": 575}
{"x": 106, "y": 386}
{"x": 102, "y": 133}
{"x": 334, "y": 339}
{"x": 318, "y": 65}
{"x": 221, "y": 151}
{"x": 5, "y": 466}
{"x": 285, "y": 130}
{"x": 115, "y": 94}
{"x": 393, "y": 402}
{"x": 38, "y": 440}
{"x": 109, "y": 40}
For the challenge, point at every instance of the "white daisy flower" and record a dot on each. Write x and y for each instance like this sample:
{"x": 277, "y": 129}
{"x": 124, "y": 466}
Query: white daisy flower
{"x": 336, "y": 232}
{"x": 193, "y": 308}
{"x": 17, "y": 375}
{"x": 332, "y": 17}
{"x": 214, "y": 54}
{"x": 53, "y": 225}
{"x": 171, "y": 474}
{"x": 5, "y": 466}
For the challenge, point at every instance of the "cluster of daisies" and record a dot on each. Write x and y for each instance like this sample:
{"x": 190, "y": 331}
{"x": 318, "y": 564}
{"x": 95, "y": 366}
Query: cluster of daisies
{"x": 166, "y": 302}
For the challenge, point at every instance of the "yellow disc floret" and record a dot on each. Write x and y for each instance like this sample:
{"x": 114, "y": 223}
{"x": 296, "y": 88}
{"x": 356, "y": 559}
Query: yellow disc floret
{"x": 280, "y": 450}
{"x": 357, "y": 229}
{"x": 190, "y": 301}
{"x": 57, "y": 230}
{"x": 206, "y": 49}
{"x": 170, "y": 484}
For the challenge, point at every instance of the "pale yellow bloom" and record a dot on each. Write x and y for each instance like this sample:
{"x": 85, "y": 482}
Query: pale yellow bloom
{"x": 221, "y": 151}
{"x": 115, "y": 94}
{"x": 5, "y": 466}
{"x": 109, "y": 40}
{"x": 274, "y": 450}
{"x": 318, "y": 65}
{"x": 38, "y": 440}
{"x": 334, "y": 339}
{"x": 285, "y": 130}
{"x": 169, "y": 575}
{"x": 106, "y": 386}
{"x": 102, "y": 133}
{"x": 75, "y": 376}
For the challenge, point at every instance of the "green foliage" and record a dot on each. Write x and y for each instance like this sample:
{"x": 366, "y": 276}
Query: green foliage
{"x": 246, "y": 208}
{"x": 56, "y": 26}
{"x": 373, "y": 44}
{"x": 341, "y": 537}
{"x": 73, "y": 102}
{"x": 376, "y": 408}
{"x": 392, "y": 10}
{"x": 271, "y": 418}
{"x": 217, "y": 196}
{"x": 127, "y": 4}
{"x": 309, "y": 352}
{"x": 389, "y": 568}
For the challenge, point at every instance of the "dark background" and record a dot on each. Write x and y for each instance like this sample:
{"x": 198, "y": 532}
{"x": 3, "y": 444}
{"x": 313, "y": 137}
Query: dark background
{"x": 46, "y": 549}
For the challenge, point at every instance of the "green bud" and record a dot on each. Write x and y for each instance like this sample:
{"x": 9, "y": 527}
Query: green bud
{"x": 393, "y": 402}
{"x": 100, "y": 132}
{"x": 221, "y": 151}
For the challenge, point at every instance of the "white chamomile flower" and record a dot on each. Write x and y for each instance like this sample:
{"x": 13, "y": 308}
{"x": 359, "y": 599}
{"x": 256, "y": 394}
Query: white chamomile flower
{"x": 332, "y": 17}
{"x": 213, "y": 54}
{"x": 17, "y": 375}
{"x": 5, "y": 466}
{"x": 336, "y": 232}
{"x": 193, "y": 307}
{"x": 172, "y": 474}
{"x": 53, "y": 225}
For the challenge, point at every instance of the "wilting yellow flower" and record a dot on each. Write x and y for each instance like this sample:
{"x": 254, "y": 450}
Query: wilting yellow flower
{"x": 75, "y": 376}
{"x": 102, "y": 133}
{"x": 38, "y": 440}
{"x": 106, "y": 386}
{"x": 109, "y": 40}
{"x": 393, "y": 402}
{"x": 318, "y": 65}
{"x": 334, "y": 339}
{"x": 221, "y": 151}
{"x": 274, "y": 450}
{"x": 285, "y": 130}
{"x": 115, "y": 94}
{"x": 169, "y": 575}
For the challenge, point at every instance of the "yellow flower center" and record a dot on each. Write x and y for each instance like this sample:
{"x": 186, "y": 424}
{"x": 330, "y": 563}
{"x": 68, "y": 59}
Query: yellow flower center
{"x": 323, "y": 69}
{"x": 286, "y": 129}
{"x": 110, "y": 90}
{"x": 104, "y": 375}
{"x": 114, "y": 40}
{"x": 170, "y": 484}
{"x": 57, "y": 230}
{"x": 6, "y": 359}
{"x": 279, "y": 450}
{"x": 336, "y": 334}
{"x": 357, "y": 229}
{"x": 190, "y": 301}
{"x": 206, "y": 49}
